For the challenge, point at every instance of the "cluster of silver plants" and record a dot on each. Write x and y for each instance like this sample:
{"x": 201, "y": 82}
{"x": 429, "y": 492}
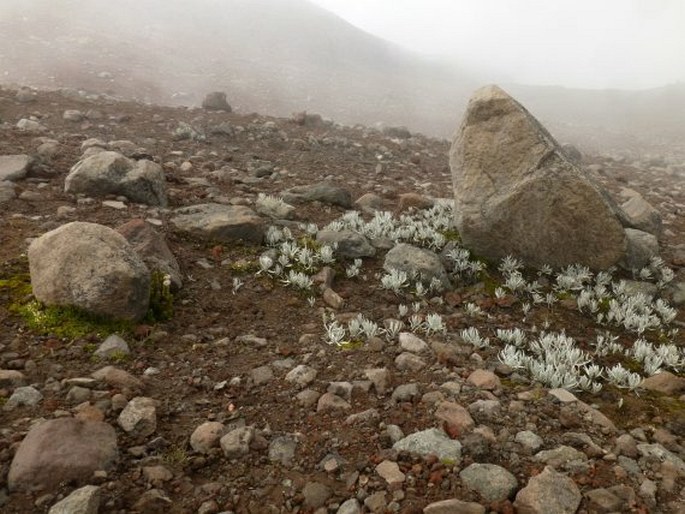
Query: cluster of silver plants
{"x": 291, "y": 261}
{"x": 422, "y": 228}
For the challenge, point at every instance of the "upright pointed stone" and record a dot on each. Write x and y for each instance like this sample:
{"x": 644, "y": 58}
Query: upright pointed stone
{"x": 517, "y": 193}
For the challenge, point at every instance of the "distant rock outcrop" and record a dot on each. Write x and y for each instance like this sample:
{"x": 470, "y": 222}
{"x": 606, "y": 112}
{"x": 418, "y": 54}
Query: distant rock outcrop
{"x": 517, "y": 192}
{"x": 91, "y": 267}
{"x": 111, "y": 173}
{"x": 216, "y": 101}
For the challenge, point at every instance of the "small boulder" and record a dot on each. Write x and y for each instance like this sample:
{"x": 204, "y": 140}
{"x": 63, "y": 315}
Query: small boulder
{"x": 221, "y": 223}
{"x": 85, "y": 500}
{"x": 492, "y": 482}
{"x": 640, "y": 215}
{"x": 62, "y": 450}
{"x": 641, "y": 247}
{"x": 431, "y": 442}
{"x": 91, "y": 267}
{"x": 321, "y": 192}
{"x": 216, "y": 101}
{"x": 14, "y": 167}
{"x": 139, "y": 417}
{"x": 151, "y": 246}
{"x": 549, "y": 492}
{"x": 111, "y": 173}
{"x": 416, "y": 261}
{"x": 349, "y": 244}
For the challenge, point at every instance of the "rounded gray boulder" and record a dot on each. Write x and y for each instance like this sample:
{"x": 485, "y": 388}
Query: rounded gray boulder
{"x": 91, "y": 267}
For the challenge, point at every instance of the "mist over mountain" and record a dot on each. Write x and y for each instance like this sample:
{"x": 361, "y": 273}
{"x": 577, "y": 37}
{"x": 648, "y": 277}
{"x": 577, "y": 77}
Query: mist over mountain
{"x": 277, "y": 57}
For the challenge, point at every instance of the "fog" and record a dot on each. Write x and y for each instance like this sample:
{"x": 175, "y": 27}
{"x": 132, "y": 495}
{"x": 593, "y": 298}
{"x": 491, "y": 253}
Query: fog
{"x": 400, "y": 62}
{"x": 627, "y": 44}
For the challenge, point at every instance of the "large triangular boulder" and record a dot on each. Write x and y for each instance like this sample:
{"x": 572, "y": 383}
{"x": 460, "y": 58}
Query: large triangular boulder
{"x": 516, "y": 191}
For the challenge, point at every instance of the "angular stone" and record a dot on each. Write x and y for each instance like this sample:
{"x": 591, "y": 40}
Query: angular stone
{"x": 25, "y": 396}
{"x": 390, "y": 472}
{"x": 11, "y": 378}
{"x": 416, "y": 261}
{"x": 349, "y": 244}
{"x": 282, "y": 449}
{"x": 548, "y": 493}
{"x": 492, "y": 482}
{"x": 331, "y": 402}
{"x": 114, "y": 345}
{"x": 484, "y": 379}
{"x": 301, "y": 375}
{"x": 62, "y": 450}
{"x": 405, "y": 392}
{"x": 380, "y": 378}
{"x": 316, "y": 494}
{"x": 641, "y": 247}
{"x": 321, "y": 192}
{"x": 111, "y": 173}
{"x": 350, "y": 506}
{"x": 216, "y": 101}
{"x": 91, "y": 267}
{"x": 207, "y": 436}
{"x": 220, "y": 223}
{"x": 664, "y": 382}
{"x": 14, "y": 167}
{"x": 529, "y": 440}
{"x": 409, "y": 362}
{"x": 119, "y": 378}
{"x": 455, "y": 415}
{"x": 151, "y": 246}
{"x": 412, "y": 343}
{"x": 236, "y": 443}
{"x": 85, "y": 500}
{"x": 431, "y": 442}
{"x": 518, "y": 194}
{"x": 454, "y": 506}
{"x": 139, "y": 417}
{"x": 641, "y": 215}
{"x": 261, "y": 375}
{"x": 560, "y": 456}
{"x": 7, "y": 192}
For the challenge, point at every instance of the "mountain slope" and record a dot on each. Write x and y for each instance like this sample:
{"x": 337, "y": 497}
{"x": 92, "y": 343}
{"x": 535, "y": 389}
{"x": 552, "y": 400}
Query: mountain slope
{"x": 277, "y": 57}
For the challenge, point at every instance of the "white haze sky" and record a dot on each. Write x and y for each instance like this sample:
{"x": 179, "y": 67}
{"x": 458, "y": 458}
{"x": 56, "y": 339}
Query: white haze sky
{"x": 629, "y": 44}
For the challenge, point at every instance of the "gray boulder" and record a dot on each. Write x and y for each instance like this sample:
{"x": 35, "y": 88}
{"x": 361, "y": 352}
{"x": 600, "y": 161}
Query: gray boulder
{"x": 492, "y": 482}
{"x": 91, "y": 267}
{"x": 7, "y": 192}
{"x": 216, "y": 101}
{"x": 218, "y": 222}
{"x": 349, "y": 244}
{"x": 85, "y": 500}
{"x": 640, "y": 250}
{"x": 516, "y": 191}
{"x": 639, "y": 214}
{"x": 152, "y": 248}
{"x": 549, "y": 492}
{"x": 431, "y": 442}
{"x": 111, "y": 173}
{"x": 62, "y": 450}
{"x": 416, "y": 261}
{"x": 14, "y": 167}
{"x": 322, "y": 192}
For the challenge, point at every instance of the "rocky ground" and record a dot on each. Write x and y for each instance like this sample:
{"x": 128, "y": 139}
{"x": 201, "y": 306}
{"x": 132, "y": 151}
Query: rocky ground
{"x": 238, "y": 404}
